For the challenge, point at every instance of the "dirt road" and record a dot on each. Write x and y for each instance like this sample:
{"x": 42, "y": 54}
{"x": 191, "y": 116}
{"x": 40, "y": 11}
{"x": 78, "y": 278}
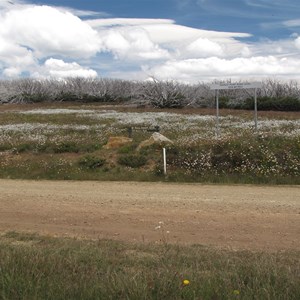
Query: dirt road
{"x": 238, "y": 217}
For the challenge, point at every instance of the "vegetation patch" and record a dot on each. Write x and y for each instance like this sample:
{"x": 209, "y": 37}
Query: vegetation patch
{"x": 38, "y": 267}
{"x": 132, "y": 160}
{"x": 256, "y": 156}
{"x": 273, "y": 95}
{"x": 70, "y": 145}
{"x": 91, "y": 162}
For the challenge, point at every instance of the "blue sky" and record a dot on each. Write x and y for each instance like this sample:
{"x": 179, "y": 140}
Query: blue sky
{"x": 262, "y": 18}
{"x": 187, "y": 40}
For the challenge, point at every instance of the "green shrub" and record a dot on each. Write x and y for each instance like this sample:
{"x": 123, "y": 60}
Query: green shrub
{"x": 91, "y": 162}
{"x": 70, "y": 96}
{"x": 92, "y": 98}
{"x": 34, "y": 98}
{"x": 132, "y": 160}
{"x": 224, "y": 102}
{"x": 5, "y": 147}
{"x": 25, "y": 147}
{"x": 127, "y": 149}
{"x": 272, "y": 103}
{"x": 66, "y": 147}
{"x": 67, "y": 96}
{"x": 158, "y": 170}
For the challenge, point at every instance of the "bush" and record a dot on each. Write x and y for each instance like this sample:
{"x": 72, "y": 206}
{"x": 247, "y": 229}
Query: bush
{"x": 25, "y": 147}
{"x": 273, "y": 103}
{"x": 33, "y": 98}
{"x": 164, "y": 94}
{"x": 171, "y": 100}
{"x": 133, "y": 161}
{"x": 126, "y": 149}
{"x": 260, "y": 157}
{"x": 91, "y": 162}
{"x": 224, "y": 102}
{"x": 66, "y": 147}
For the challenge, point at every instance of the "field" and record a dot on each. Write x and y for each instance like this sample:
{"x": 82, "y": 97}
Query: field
{"x": 172, "y": 237}
{"x": 65, "y": 141}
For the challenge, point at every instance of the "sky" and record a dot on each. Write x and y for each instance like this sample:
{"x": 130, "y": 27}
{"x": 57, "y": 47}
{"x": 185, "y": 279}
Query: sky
{"x": 184, "y": 40}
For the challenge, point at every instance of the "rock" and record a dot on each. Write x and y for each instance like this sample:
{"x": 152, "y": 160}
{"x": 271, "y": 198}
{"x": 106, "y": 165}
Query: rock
{"x": 155, "y": 139}
{"x": 115, "y": 142}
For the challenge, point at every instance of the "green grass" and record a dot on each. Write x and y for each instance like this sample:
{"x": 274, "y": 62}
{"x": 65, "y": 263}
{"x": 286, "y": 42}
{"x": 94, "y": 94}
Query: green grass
{"x": 39, "y": 267}
{"x": 132, "y": 160}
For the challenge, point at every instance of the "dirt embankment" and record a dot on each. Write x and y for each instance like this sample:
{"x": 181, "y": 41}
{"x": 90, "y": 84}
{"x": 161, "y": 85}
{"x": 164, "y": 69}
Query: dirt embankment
{"x": 238, "y": 217}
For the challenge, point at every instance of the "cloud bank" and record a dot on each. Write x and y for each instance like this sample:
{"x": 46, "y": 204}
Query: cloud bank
{"x": 44, "y": 41}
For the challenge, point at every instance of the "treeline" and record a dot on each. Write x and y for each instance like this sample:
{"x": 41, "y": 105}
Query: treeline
{"x": 274, "y": 94}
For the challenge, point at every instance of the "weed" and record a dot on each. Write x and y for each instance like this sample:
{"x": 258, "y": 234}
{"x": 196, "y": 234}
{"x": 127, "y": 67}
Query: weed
{"x": 132, "y": 160}
{"x": 91, "y": 162}
{"x": 126, "y": 149}
{"x": 66, "y": 147}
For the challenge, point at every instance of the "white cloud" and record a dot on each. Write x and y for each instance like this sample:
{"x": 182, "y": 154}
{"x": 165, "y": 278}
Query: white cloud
{"x": 280, "y": 48}
{"x": 160, "y": 38}
{"x": 173, "y": 33}
{"x": 203, "y": 47}
{"x": 109, "y": 22}
{"x": 82, "y": 13}
{"x": 193, "y": 70}
{"x": 12, "y": 72}
{"x": 59, "y": 69}
{"x": 14, "y": 58}
{"x": 31, "y": 33}
{"x": 292, "y": 23}
{"x": 297, "y": 43}
{"x": 132, "y": 43}
{"x": 48, "y": 31}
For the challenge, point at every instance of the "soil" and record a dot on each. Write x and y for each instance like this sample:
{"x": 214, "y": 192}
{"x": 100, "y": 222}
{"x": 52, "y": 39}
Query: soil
{"x": 236, "y": 217}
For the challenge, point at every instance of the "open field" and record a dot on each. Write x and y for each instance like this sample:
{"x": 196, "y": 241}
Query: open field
{"x": 66, "y": 141}
{"x": 233, "y": 217}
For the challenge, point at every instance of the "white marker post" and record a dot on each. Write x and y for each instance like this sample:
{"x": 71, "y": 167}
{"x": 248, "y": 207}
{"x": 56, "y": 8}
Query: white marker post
{"x": 165, "y": 160}
{"x": 235, "y": 86}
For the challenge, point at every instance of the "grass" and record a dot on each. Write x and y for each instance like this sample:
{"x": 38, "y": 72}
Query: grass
{"x": 52, "y": 142}
{"x": 43, "y": 267}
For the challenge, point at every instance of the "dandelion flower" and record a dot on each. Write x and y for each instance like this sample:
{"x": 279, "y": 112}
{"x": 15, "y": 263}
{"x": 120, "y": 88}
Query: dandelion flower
{"x": 236, "y": 292}
{"x": 186, "y": 282}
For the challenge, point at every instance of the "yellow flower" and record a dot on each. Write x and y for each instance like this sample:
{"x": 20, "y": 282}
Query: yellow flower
{"x": 236, "y": 292}
{"x": 186, "y": 282}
